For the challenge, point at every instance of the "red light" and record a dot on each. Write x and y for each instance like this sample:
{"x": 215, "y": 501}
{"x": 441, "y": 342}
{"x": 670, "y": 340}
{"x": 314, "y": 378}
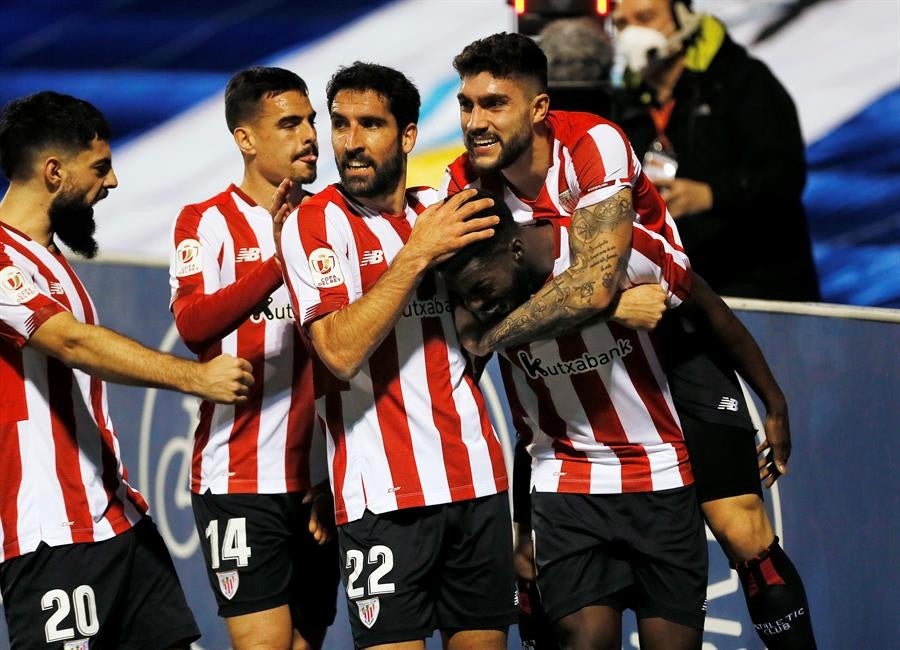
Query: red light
{"x": 602, "y": 7}
{"x": 520, "y": 6}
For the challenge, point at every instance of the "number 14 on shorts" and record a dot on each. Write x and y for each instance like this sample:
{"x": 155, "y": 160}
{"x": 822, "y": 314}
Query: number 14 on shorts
{"x": 234, "y": 542}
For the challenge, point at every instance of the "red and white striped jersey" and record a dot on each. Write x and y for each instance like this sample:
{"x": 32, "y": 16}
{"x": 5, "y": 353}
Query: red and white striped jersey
{"x": 411, "y": 428}
{"x": 594, "y": 404}
{"x": 221, "y": 266}
{"x": 63, "y": 481}
{"x": 592, "y": 160}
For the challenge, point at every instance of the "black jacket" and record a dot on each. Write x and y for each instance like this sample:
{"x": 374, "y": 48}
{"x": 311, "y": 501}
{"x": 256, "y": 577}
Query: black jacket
{"x": 735, "y": 127}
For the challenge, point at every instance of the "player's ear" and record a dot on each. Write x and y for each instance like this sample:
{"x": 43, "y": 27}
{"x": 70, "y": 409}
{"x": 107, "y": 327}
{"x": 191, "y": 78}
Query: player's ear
{"x": 517, "y": 249}
{"x": 53, "y": 173}
{"x": 408, "y": 138}
{"x": 540, "y": 106}
{"x": 243, "y": 137}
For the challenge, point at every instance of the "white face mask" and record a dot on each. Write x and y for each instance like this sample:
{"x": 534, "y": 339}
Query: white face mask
{"x": 638, "y": 47}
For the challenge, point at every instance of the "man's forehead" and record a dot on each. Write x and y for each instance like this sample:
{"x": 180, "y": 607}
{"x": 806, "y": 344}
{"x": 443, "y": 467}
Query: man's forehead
{"x": 485, "y": 83}
{"x": 353, "y": 98}
{"x": 291, "y": 102}
{"x": 98, "y": 150}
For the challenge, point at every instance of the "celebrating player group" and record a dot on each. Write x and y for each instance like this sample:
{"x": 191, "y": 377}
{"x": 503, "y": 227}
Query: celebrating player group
{"x": 342, "y": 435}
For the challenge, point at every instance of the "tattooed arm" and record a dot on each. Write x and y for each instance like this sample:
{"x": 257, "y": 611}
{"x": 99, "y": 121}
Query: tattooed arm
{"x": 600, "y": 242}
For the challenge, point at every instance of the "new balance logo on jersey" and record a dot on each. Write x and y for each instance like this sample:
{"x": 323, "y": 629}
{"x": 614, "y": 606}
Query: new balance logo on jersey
{"x": 56, "y": 288}
{"x": 372, "y": 257}
{"x": 534, "y": 366}
{"x": 728, "y": 404}
{"x": 248, "y": 255}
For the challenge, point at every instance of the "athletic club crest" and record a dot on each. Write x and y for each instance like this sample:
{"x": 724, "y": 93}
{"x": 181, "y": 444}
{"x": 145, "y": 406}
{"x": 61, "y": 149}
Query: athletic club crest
{"x": 228, "y": 583}
{"x": 368, "y": 610}
{"x": 568, "y": 200}
{"x": 78, "y": 644}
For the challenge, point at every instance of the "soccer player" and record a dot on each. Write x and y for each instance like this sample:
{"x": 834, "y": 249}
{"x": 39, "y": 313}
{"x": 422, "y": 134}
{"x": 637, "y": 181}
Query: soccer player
{"x": 615, "y": 518}
{"x": 260, "y": 520}
{"x": 417, "y": 470}
{"x": 81, "y": 561}
{"x": 566, "y": 165}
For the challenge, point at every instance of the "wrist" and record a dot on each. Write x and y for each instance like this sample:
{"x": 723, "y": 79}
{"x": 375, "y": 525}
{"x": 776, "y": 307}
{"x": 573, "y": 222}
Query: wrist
{"x": 409, "y": 259}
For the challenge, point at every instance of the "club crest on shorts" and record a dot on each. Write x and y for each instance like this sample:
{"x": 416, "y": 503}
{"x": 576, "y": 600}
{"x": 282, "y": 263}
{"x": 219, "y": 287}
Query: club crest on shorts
{"x": 368, "y": 610}
{"x": 77, "y": 644}
{"x": 228, "y": 582}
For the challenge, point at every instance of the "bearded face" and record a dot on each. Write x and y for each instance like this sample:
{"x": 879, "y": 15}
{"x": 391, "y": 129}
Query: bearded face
{"x": 72, "y": 221}
{"x": 366, "y": 178}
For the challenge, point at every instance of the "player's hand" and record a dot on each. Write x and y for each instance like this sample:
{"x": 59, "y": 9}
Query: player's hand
{"x": 225, "y": 380}
{"x": 280, "y": 208}
{"x": 445, "y": 227}
{"x": 641, "y": 307}
{"x": 684, "y": 196}
{"x": 321, "y": 512}
{"x": 523, "y": 557}
{"x": 775, "y": 450}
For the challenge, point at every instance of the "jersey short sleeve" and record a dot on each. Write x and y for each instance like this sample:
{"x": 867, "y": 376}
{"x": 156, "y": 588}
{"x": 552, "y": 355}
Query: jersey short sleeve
{"x": 604, "y": 163}
{"x": 315, "y": 250}
{"x": 654, "y": 260}
{"x": 23, "y": 306}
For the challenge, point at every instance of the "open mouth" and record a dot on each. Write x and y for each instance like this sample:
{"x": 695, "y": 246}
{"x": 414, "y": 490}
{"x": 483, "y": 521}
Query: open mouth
{"x": 483, "y": 144}
{"x": 356, "y": 166}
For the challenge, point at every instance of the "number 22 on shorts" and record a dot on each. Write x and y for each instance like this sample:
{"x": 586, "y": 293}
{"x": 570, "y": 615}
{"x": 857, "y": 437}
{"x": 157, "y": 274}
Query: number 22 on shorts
{"x": 380, "y": 555}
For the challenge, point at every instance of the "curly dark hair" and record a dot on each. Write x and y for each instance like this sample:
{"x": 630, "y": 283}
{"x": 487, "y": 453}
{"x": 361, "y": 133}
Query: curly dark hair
{"x": 504, "y": 55}
{"x": 30, "y": 123}
{"x": 484, "y": 250}
{"x": 401, "y": 94}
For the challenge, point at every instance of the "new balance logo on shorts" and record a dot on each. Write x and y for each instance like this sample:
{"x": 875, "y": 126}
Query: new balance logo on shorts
{"x": 248, "y": 255}
{"x": 372, "y": 257}
{"x": 728, "y": 404}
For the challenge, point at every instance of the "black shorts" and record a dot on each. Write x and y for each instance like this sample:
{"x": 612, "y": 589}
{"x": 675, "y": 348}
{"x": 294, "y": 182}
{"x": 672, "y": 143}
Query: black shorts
{"x": 121, "y": 593}
{"x": 723, "y": 458}
{"x": 410, "y": 572}
{"x": 645, "y": 551}
{"x": 265, "y": 557}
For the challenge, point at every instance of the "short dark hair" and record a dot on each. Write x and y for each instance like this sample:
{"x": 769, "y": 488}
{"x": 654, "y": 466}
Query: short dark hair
{"x": 400, "y": 93}
{"x": 29, "y": 124}
{"x": 504, "y": 55}
{"x": 247, "y": 87}
{"x": 484, "y": 250}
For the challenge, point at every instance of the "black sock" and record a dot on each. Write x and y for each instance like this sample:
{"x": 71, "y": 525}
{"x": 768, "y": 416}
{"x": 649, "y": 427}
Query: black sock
{"x": 776, "y": 600}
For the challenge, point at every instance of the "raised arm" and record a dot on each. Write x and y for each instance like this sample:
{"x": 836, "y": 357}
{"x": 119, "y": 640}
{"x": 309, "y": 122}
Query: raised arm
{"x": 708, "y": 309}
{"x": 600, "y": 243}
{"x": 104, "y": 354}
